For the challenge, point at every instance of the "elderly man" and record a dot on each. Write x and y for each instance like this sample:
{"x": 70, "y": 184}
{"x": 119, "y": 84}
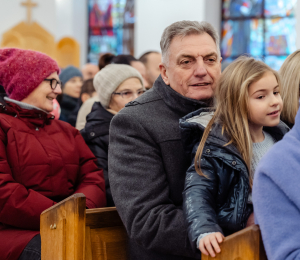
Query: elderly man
{"x": 151, "y": 60}
{"x": 89, "y": 70}
{"x": 147, "y": 163}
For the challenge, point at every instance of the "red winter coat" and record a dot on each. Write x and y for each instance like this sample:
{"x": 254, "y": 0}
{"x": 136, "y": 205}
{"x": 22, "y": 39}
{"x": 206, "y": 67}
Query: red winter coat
{"x": 42, "y": 161}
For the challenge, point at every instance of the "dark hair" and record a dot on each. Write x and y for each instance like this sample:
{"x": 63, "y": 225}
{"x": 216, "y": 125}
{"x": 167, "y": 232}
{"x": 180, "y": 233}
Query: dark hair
{"x": 144, "y": 57}
{"x": 87, "y": 87}
{"x": 123, "y": 59}
{"x": 105, "y": 59}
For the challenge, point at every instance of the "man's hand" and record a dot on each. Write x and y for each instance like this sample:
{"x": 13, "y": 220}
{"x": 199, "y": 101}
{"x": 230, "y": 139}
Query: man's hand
{"x": 210, "y": 244}
{"x": 250, "y": 221}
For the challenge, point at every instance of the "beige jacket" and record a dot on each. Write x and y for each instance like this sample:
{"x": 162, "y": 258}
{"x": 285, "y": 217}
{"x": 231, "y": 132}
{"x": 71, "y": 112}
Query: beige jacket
{"x": 84, "y": 110}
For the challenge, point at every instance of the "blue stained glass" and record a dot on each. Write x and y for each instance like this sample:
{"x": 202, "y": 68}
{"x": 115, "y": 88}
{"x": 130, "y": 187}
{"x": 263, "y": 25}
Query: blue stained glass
{"x": 280, "y": 36}
{"x": 105, "y": 43}
{"x": 239, "y": 37}
{"x": 275, "y": 62}
{"x": 280, "y": 7}
{"x": 242, "y": 8}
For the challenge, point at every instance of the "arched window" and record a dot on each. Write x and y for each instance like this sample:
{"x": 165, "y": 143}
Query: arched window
{"x": 265, "y": 29}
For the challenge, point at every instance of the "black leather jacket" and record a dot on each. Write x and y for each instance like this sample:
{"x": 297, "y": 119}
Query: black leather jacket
{"x": 217, "y": 203}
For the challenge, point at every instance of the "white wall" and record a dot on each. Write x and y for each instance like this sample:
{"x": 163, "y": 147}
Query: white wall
{"x": 153, "y": 16}
{"x": 12, "y": 13}
{"x": 61, "y": 18}
{"x": 72, "y": 20}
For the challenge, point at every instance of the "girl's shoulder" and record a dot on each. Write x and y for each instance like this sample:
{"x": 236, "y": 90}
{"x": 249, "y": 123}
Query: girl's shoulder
{"x": 277, "y": 132}
{"x": 192, "y": 127}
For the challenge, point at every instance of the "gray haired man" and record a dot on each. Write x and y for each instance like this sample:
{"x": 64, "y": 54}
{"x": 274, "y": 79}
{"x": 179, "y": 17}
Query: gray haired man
{"x": 147, "y": 163}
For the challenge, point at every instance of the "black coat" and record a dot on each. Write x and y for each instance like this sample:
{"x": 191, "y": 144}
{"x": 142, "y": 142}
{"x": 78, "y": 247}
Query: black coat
{"x": 147, "y": 169}
{"x": 96, "y": 136}
{"x": 218, "y": 203}
{"x": 67, "y": 105}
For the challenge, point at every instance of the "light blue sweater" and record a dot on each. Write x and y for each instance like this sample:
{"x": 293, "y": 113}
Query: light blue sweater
{"x": 276, "y": 197}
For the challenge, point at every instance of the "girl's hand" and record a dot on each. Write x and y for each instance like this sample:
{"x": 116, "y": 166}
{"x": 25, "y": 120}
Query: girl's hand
{"x": 250, "y": 221}
{"x": 210, "y": 244}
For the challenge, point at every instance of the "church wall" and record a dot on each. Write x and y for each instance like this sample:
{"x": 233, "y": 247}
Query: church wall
{"x": 153, "y": 16}
{"x": 12, "y": 13}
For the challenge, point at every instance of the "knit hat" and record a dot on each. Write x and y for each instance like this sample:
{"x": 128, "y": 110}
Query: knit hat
{"x": 68, "y": 73}
{"x": 107, "y": 80}
{"x": 21, "y": 71}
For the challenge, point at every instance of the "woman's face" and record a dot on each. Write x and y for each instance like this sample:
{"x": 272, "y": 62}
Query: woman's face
{"x": 42, "y": 97}
{"x": 73, "y": 87}
{"x": 129, "y": 90}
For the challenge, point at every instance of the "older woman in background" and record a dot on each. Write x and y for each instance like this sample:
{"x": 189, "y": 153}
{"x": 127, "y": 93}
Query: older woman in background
{"x": 290, "y": 74}
{"x": 116, "y": 85}
{"x": 42, "y": 161}
{"x": 72, "y": 80}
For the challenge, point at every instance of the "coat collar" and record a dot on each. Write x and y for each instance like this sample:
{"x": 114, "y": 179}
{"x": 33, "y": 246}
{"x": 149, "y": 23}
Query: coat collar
{"x": 175, "y": 101}
{"x": 97, "y": 122}
{"x": 27, "y": 113}
{"x": 192, "y": 131}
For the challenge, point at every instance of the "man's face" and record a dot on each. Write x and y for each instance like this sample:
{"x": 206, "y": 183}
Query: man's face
{"x": 194, "y": 66}
{"x": 152, "y": 66}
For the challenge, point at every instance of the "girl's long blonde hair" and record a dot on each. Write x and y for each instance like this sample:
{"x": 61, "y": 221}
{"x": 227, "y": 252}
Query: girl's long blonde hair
{"x": 231, "y": 97}
{"x": 290, "y": 77}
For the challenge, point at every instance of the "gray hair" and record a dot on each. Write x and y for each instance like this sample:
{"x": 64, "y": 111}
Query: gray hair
{"x": 182, "y": 29}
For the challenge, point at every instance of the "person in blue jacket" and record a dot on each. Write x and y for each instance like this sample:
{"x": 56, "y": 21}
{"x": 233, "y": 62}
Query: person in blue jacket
{"x": 246, "y": 123}
{"x": 276, "y": 197}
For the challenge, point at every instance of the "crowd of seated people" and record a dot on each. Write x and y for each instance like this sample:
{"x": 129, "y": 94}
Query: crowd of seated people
{"x": 188, "y": 154}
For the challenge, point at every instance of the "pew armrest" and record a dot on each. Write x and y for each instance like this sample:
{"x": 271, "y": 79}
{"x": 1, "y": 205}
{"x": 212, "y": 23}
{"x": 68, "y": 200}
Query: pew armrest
{"x": 63, "y": 229}
{"x": 246, "y": 244}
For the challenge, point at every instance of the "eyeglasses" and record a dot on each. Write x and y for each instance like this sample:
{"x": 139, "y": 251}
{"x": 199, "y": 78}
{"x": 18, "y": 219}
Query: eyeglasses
{"x": 53, "y": 83}
{"x": 129, "y": 93}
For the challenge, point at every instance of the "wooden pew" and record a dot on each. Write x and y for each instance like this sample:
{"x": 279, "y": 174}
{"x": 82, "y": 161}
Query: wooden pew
{"x": 243, "y": 245}
{"x": 69, "y": 231}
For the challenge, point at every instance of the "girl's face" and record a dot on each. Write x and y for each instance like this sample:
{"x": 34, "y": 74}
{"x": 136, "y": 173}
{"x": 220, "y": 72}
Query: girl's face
{"x": 129, "y": 90}
{"x": 43, "y": 96}
{"x": 73, "y": 87}
{"x": 265, "y": 103}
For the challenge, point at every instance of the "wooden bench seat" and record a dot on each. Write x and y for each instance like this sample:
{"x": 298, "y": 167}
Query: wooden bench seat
{"x": 69, "y": 231}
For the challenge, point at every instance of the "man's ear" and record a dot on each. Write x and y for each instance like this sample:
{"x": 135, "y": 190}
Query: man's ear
{"x": 163, "y": 73}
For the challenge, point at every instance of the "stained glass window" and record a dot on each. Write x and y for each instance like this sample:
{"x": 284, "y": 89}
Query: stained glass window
{"x": 264, "y": 29}
{"x": 111, "y": 27}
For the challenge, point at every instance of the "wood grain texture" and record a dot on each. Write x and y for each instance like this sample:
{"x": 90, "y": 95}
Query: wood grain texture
{"x": 243, "y": 245}
{"x": 66, "y": 241}
{"x": 81, "y": 234}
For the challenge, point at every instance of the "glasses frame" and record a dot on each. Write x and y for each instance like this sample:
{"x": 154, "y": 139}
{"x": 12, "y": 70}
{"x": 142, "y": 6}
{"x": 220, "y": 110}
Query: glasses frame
{"x": 51, "y": 80}
{"x": 122, "y": 93}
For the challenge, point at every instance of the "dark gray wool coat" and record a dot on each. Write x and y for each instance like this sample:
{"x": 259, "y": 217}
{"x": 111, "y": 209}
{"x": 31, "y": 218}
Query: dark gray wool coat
{"x": 147, "y": 167}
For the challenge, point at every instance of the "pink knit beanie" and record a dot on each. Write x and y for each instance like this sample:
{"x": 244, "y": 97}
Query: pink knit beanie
{"x": 21, "y": 71}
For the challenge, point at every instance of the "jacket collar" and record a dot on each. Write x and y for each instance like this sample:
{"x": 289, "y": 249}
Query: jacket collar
{"x": 175, "y": 101}
{"x": 97, "y": 122}
{"x": 192, "y": 132}
{"x": 27, "y": 113}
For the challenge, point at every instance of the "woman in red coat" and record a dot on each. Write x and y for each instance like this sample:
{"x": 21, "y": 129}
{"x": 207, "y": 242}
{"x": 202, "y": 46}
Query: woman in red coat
{"x": 42, "y": 161}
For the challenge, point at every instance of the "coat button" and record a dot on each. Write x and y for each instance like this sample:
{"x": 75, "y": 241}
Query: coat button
{"x": 37, "y": 129}
{"x": 92, "y": 134}
{"x": 40, "y": 115}
{"x": 234, "y": 163}
{"x": 207, "y": 150}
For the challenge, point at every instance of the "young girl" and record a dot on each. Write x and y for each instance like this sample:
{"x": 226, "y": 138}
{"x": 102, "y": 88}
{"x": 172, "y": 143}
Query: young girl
{"x": 245, "y": 124}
